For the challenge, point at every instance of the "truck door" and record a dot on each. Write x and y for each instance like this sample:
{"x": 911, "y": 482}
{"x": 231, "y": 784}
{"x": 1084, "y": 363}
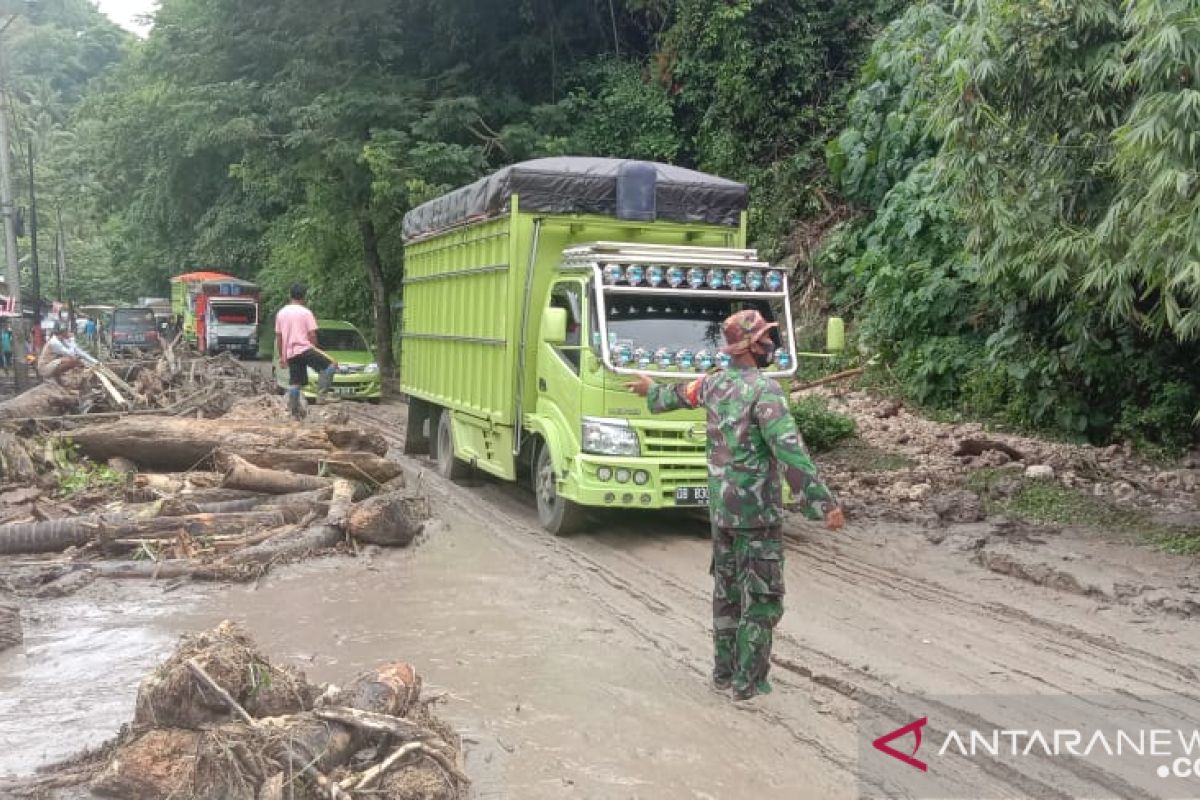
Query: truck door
{"x": 559, "y": 386}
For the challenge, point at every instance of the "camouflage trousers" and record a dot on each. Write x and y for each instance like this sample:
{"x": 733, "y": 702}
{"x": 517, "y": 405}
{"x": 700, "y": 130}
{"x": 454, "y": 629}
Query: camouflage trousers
{"x": 747, "y": 570}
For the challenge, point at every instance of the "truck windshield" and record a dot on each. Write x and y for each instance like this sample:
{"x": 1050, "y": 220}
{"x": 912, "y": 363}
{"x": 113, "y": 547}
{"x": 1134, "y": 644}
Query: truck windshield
{"x": 346, "y": 341}
{"x": 235, "y": 313}
{"x": 676, "y": 323}
{"x": 134, "y": 320}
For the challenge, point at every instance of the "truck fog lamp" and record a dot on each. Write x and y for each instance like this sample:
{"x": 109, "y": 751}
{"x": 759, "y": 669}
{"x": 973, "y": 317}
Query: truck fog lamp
{"x": 627, "y": 499}
{"x": 724, "y": 360}
{"x": 754, "y": 280}
{"x": 775, "y": 281}
{"x": 695, "y": 278}
{"x": 623, "y": 475}
{"x": 655, "y": 276}
{"x": 604, "y": 473}
{"x": 736, "y": 279}
{"x": 613, "y": 273}
{"x": 623, "y": 355}
{"x": 685, "y": 359}
{"x": 705, "y": 360}
{"x": 646, "y": 499}
{"x": 642, "y": 357}
{"x": 663, "y": 357}
{"x": 635, "y": 275}
{"x": 641, "y": 477}
{"x": 716, "y": 279}
{"x": 610, "y": 498}
{"x": 676, "y": 277}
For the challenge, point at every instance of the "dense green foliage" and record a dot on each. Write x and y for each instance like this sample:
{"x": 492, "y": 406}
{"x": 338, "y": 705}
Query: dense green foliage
{"x": 1030, "y": 176}
{"x": 819, "y": 425}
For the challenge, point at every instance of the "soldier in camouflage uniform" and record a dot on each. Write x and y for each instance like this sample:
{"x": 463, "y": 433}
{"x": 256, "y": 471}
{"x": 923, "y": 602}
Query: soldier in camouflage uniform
{"x": 751, "y": 440}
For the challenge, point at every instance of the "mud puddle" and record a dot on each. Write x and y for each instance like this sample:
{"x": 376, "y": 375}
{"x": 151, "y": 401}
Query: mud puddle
{"x": 73, "y": 682}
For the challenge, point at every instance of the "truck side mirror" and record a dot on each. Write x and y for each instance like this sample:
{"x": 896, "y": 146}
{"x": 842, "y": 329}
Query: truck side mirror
{"x": 554, "y": 326}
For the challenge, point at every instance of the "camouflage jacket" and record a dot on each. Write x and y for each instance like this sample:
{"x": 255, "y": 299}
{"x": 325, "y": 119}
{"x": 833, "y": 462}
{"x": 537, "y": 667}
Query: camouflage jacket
{"x": 752, "y": 438}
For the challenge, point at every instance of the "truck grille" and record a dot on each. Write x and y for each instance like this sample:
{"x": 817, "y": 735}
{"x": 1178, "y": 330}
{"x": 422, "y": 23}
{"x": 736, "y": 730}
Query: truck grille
{"x": 660, "y": 442}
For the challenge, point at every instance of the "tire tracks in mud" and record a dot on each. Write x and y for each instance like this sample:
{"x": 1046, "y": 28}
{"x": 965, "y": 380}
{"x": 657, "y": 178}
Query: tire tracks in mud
{"x": 620, "y": 581}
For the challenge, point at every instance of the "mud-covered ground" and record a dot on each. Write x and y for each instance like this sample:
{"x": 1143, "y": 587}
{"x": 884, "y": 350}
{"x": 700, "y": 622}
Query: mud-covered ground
{"x": 578, "y": 667}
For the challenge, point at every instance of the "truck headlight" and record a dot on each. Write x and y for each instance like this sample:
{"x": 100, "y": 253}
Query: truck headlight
{"x": 371, "y": 369}
{"x": 609, "y": 438}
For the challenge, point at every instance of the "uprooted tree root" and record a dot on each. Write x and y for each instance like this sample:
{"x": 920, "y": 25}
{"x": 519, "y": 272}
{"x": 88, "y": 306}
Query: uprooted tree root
{"x": 218, "y": 721}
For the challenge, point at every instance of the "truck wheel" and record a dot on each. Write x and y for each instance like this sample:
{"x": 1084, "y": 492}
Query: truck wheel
{"x": 448, "y": 466}
{"x": 557, "y": 514}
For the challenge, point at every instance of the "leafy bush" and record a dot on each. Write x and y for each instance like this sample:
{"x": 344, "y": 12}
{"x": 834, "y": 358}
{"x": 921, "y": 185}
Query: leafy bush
{"x": 821, "y": 427}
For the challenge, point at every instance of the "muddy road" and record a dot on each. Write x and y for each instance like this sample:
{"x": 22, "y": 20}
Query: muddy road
{"x": 578, "y": 667}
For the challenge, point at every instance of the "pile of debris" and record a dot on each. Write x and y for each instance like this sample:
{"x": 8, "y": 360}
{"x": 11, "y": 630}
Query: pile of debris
{"x": 178, "y": 382}
{"x": 219, "y": 721}
{"x": 196, "y": 497}
{"x": 903, "y": 464}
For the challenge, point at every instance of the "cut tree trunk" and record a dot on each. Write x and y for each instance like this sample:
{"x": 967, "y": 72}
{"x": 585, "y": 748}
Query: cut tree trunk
{"x": 241, "y": 474}
{"x": 52, "y": 536}
{"x": 170, "y": 443}
{"x": 15, "y": 464}
{"x": 392, "y": 519}
{"x": 340, "y": 505}
{"x": 47, "y": 399}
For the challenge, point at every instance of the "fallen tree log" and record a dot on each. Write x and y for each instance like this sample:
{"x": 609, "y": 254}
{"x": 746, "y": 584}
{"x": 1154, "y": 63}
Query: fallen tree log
{"x": 241, "y": 474}
{"x": 173, "y": 568}
{"x": 355, "y": 465}
{"x": 288, "y": 546}
{"x": 170, "y": 443}
{"x": 47, "y": 399}
{"x": 201, "y": 524}
{"x": 51, "y": 536}
{"x": 828, "y": 379}
{"x": 392, "y": 519}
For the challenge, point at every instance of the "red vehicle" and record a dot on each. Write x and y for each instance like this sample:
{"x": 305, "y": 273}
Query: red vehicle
{"x": 218, "y": 311}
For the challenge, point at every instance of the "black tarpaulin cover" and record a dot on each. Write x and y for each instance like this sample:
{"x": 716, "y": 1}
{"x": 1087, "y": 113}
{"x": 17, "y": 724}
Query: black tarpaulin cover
{"x": 578, "y": 185}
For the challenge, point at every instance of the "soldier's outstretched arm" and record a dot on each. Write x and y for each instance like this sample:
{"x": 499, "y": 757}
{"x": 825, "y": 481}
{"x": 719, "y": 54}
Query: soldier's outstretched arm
{"x": 661, "y": 398}
{"x": 779, "y": 432}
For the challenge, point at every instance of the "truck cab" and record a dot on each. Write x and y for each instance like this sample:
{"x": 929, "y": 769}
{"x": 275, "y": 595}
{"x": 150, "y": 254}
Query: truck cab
{"x": 533, "y": 297}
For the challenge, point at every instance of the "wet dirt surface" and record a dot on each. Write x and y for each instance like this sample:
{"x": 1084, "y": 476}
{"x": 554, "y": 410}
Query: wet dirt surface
{"x": 578, "y": 667}
{"x": 72, "y": 684}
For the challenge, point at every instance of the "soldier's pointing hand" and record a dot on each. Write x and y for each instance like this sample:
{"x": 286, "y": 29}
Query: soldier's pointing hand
{"x": 641, "y": 386}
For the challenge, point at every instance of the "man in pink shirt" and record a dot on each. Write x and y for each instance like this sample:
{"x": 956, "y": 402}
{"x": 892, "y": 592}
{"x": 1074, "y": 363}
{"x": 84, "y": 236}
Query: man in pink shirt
{"x": 296, "y": 346}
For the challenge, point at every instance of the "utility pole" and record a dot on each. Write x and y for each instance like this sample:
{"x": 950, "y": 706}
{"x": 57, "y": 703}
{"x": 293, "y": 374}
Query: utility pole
{"x": 33, "y": 247}
{"x": 10, "y": 231}
{"x": 60, "y": 253}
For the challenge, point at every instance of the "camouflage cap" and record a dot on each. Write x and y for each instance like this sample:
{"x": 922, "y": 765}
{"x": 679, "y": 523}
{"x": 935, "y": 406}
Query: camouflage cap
{"x": 743, "y": 329}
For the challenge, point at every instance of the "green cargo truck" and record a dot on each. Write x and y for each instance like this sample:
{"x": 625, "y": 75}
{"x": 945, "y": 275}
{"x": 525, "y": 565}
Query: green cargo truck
{"x": 532, "y": 296}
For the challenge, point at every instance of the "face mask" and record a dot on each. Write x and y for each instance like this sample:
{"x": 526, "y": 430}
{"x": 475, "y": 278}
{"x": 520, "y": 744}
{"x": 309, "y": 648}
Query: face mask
{"x": 762, "y": 358}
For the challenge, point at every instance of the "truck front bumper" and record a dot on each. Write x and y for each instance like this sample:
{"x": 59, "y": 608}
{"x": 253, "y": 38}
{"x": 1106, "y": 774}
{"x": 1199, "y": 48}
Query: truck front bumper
{"x": 650, "y": 483}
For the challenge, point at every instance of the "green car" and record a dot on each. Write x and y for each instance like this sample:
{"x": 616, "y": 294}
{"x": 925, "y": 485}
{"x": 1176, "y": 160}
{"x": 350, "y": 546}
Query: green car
{"x": 357, "y": 376}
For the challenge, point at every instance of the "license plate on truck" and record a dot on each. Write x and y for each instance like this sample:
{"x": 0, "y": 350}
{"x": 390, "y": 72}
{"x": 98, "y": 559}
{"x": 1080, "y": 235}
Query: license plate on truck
{"x": 691, "y": 496}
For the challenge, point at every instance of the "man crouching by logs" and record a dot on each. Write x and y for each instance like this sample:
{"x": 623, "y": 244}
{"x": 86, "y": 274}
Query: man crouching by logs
{"x": 62, "y": 354}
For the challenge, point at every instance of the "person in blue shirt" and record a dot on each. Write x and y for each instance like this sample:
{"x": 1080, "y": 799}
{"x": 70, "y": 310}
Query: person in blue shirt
{"x": 6, "y": 347}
